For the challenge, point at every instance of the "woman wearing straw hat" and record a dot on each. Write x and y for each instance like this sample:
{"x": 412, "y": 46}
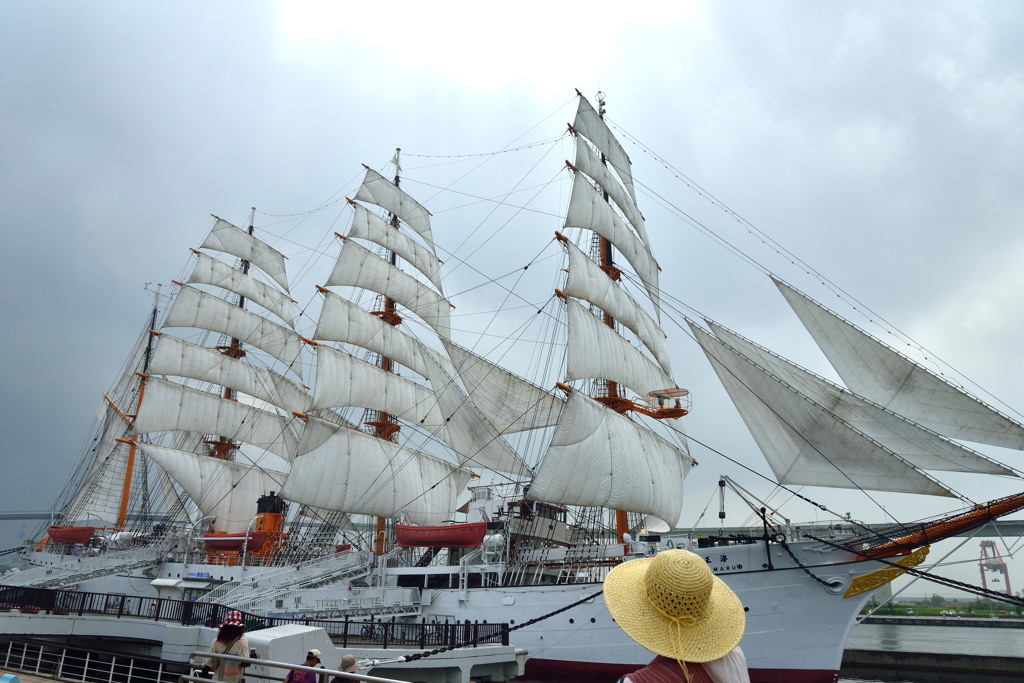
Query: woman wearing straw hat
{"x": 675, "y": 607}
{"x": 230, "y": 641}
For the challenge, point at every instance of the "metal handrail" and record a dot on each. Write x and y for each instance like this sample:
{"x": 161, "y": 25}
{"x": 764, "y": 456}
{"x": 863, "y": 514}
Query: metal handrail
{"x": 45, "y": 658}
{"x": 295, "y": 667}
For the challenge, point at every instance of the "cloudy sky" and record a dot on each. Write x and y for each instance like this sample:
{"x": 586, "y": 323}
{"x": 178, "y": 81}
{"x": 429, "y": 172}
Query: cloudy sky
{"x": 879, "y": 145}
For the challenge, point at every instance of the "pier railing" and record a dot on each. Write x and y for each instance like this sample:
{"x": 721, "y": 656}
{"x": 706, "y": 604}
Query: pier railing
{"x": 372, "y": 633}
{"x": 74, "y": 663}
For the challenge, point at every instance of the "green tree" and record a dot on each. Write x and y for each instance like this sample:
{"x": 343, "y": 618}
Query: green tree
{"x": 936, "y": 600}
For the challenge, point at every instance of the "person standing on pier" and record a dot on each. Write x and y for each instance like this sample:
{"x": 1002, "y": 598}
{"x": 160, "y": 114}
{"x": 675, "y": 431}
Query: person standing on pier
{"x": 675, "y": 607}
{"x": 230, "y": 640}
{"x": 296, "y": 676}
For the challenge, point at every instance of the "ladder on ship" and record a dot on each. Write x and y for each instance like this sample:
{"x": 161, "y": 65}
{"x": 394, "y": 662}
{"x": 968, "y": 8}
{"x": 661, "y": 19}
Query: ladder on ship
{"x": 580, "y": 564}
{"x": 464, "y": 564}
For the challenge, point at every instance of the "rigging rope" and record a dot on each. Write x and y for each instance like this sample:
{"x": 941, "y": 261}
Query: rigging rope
{"x": 482, "y": 154}
{"x": 795, "y": 260}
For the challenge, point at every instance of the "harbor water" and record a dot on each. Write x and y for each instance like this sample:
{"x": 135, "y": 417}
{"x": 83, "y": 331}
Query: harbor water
{"x": 982, "y": 642}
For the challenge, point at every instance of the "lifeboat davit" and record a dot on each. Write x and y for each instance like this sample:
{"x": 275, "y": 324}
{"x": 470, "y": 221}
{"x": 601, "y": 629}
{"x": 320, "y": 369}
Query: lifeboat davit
{"x": 469, "y": 535}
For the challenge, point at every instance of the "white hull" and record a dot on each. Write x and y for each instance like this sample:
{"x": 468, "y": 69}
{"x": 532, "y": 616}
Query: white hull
{"x": 796, "y": 625}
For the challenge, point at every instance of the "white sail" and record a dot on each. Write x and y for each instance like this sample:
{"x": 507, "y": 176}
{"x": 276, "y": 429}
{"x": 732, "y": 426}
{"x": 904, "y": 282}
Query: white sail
{"x": 587, "y": 162}
{"x": 193, "y": 308}
{"x": 597, "y": 351}
{"x": 210, "y": 271}
{"x": 598, "y": 457}
{"x": 475, "y": 441}
{"x": 346, "y": 470}
{"x": 802, "y": 442}
{"x": 369, "y": 226}
{"x": 873, "y": 369}
{"x": 233, "y": 240}
{"x": 115, "y": 425}
{"x": 223, "y": 489}
{"x": 590, "y": 124}
{"x": 376, "y": 189}
{"x": 587, "y": 281}
{"x": 359, "y": 267}
{"x": 174, "y": 407}
{"x": 174, "y": 356}
{"x": 587, "y": 209}
{"x": 99, "y": 495}
{"x": 919, "y": 446}
{"x": 98, "y": 499}
{"x": 342, "y": 381}
{"x": 507, "y": 401}
{"x": 341, "y": 320}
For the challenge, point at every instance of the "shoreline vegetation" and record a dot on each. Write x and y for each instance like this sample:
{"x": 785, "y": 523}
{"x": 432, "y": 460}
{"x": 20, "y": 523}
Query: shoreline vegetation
{"x": 937, "y": 606}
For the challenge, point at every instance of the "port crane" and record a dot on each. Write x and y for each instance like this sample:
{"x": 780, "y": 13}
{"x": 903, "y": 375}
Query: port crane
{"x": 993, "y": 568}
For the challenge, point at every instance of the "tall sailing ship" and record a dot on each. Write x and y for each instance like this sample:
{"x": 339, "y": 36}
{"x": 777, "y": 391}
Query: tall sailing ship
{"x": 384, "y": 462}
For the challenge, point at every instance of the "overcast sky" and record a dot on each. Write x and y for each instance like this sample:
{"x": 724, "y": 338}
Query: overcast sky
{"x": 881, "y": 143}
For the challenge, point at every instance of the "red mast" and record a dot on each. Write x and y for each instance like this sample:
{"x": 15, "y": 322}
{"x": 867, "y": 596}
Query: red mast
{"x": 608, "y": 394}
{"x": 384, "y": 427}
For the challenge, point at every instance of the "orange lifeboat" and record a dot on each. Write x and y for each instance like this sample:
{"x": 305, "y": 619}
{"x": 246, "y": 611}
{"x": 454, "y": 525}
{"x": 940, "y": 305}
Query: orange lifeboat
{"x": 469, "y": 535}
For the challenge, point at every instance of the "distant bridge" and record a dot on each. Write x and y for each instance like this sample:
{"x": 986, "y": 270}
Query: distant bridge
{"x": 14, "y": 516}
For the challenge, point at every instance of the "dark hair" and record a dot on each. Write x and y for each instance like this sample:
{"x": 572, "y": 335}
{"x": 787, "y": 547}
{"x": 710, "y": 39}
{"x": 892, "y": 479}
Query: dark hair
{"x": 229, "y": 632}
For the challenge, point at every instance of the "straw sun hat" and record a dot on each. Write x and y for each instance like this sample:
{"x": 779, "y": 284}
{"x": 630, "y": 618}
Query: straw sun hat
{"x": 349, "y": 664}
{"x": 674, "y": 606}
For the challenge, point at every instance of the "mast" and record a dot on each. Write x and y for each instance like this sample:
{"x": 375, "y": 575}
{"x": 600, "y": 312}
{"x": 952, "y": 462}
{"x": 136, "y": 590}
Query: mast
{"x": 223, "y": 447}
{"x": 607, "y": 264}
{"x": 122, "y": 510}
{"x": 384, "y": 426}
{"x": 611, "y": 397}
{"x": 610, "y": 389}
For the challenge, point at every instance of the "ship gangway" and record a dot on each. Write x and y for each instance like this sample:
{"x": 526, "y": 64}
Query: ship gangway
{"x": 267, "y": 586}
{"x": 91, "y": 567}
